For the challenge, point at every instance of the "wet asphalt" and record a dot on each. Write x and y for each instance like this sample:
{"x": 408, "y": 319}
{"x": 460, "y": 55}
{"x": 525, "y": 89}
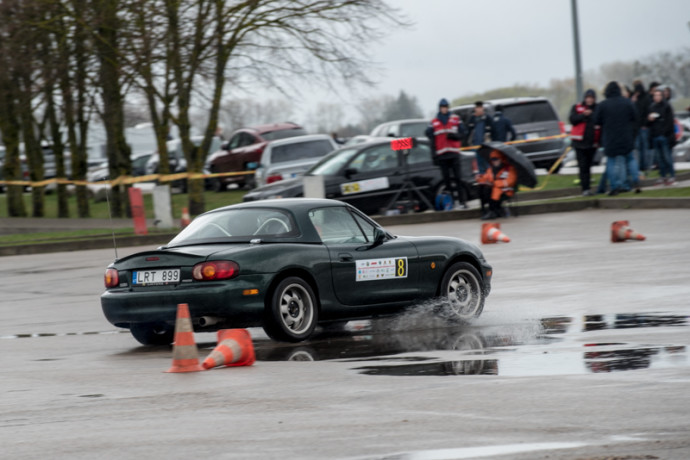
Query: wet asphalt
{"x": 581, "y": 353}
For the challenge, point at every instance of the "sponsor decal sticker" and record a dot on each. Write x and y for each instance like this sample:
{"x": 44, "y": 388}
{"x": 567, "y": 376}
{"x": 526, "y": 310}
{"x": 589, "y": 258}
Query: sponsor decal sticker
{"x": 381, "y": 269}
{"x": 362, "y": 186}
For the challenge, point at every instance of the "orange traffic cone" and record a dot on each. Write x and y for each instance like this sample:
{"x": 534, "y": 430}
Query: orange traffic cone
{"x": 235, "y": 348}
{"x": 621, "y": 231}
{"x": 185, "y": 219}
{"x": 491, "y": 233}
{"x": 185, "y": 353}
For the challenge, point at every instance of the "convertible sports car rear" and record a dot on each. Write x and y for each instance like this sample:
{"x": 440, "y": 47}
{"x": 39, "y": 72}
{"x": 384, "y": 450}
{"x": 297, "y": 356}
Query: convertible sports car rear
{"x": 288, "y": 265}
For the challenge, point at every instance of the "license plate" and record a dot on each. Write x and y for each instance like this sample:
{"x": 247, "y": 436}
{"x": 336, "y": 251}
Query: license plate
{"x": 530, "y": 136}
{"x": 156, "y": 277}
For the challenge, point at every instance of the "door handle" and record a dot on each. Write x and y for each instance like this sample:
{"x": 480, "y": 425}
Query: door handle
{"x": 345, "y": 257}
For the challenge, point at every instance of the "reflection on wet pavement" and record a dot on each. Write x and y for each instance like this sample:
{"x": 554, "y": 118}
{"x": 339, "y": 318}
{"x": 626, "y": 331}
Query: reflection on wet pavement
{"x": 548, "y": 346}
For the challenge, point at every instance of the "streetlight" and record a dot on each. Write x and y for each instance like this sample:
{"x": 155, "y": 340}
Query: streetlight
{"x": 576, "y": 46}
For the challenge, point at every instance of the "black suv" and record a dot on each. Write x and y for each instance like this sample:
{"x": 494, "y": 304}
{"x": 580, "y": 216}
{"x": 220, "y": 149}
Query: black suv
{"x": 532, "y": 118}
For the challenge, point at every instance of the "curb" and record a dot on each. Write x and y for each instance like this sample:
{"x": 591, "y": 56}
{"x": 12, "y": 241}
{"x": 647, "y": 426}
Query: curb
{"x": 156, "y": 239}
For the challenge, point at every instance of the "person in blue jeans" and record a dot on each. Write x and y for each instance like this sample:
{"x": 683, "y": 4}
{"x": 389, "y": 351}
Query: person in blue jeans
{"x": 661, "y": 130}
{"x": 616, "y": 116}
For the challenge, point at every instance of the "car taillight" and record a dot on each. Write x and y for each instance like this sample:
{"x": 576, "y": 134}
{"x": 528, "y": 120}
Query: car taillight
{"x": 273, "y": 178}
{"x": 112, "y": 278}
{"x": 216, "y": 270}
{"x": 561, "y": 125}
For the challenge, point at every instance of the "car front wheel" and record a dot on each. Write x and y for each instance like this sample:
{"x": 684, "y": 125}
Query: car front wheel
{"x": 153, "y": 334}
{"x": 462, "y": 287}
{"x": 292, "y": 312}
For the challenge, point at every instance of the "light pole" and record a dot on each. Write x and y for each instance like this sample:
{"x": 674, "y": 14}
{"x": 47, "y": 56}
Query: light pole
{"x": 576, "y": 46}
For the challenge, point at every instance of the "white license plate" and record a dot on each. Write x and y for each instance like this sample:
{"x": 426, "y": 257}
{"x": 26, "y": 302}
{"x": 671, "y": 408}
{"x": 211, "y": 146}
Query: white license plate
{"x": 152, "y": 277}
{"x": 530, "y": 136}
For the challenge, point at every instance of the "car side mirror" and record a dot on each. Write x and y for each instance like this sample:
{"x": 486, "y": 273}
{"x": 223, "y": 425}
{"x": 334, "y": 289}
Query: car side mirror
{"x": 379, "y": 237}
{"x": 349, "y": 172}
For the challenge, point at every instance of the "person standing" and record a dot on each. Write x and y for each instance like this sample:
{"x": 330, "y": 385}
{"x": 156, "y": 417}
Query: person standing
{"x": 479, "y": 129}
{"x": 616, "y": 117}
{"x": 445, "y": 132}
{"x": 584, "y": 137}
{"x": 501, "y": 126}
{"x": 660, "y": 122}
{"x": 641, "y": 100}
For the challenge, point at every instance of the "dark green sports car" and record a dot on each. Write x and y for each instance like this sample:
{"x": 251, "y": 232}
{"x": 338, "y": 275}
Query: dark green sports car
{"x": 288, "y": 265}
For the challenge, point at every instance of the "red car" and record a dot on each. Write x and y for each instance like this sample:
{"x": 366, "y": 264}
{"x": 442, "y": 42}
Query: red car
{"x": 243, "y": 152}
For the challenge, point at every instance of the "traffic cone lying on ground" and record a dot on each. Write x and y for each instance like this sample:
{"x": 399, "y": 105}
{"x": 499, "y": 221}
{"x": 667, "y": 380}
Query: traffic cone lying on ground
{"x": 235, "y": 348}
{"x": 621, "y": 231}
{"x": 491, "y": 233}
{"x": 184, "y": 221}
{"x": 185, "y": 353}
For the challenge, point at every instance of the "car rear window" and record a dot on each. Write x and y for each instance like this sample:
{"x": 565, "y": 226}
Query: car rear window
{"x": 283, "y": 134}
{"x": 530, "y": 112}
{"x": 300, "y": 151}
{"x": 413, "y": 129}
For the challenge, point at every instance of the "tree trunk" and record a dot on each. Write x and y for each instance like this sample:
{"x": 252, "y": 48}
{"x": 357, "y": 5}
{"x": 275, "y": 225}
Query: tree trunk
{"x": 12, "y": 170}
{"x": 58, "y": 151}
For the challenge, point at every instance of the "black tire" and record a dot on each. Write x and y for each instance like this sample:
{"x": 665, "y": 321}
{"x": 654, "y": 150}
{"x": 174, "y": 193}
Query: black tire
{"x": 462, "y": 286}
{"x": 153, "y": 333}
{"x": 291, "y": 311}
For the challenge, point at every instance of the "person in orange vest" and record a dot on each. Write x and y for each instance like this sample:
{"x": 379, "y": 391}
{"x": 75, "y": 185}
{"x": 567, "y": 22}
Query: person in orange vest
{"x": 496, "y": 185}
{"x": 445, "y": 132}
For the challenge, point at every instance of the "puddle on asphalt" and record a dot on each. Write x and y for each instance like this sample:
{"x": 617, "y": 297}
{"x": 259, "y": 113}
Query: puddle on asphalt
{"x": 550, "y": 346}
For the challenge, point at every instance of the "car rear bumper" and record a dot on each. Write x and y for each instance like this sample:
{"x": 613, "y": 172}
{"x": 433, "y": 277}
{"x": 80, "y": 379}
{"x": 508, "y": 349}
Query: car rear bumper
{"x": 542, "y": 151}
{"x": 227, "y": 300}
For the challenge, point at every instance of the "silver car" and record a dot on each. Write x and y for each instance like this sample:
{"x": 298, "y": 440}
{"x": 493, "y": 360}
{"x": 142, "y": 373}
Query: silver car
{"x": 292, "y": 157}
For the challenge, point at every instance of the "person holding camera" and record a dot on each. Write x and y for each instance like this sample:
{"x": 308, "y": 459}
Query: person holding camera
{"x": 445, "y": 132}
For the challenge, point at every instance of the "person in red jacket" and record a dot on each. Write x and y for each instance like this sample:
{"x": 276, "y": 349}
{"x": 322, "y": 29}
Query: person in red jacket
{"x": 496, "y": 185}
{"x": 445, "y": 132}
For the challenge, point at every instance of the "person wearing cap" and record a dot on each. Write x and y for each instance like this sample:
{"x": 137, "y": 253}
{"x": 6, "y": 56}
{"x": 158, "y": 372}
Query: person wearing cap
{"x": 496, "y": 185}
{"x": 445, "y": 132}
{"x": 584, "y": 137}
{"x": 479, "y": 129}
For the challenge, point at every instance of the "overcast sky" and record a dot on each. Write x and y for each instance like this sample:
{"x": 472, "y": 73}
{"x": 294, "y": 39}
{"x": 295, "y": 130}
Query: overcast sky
{"x": 458, "y": 47}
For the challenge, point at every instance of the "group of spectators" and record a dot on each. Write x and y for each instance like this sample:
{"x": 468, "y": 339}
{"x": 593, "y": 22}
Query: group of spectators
{"x": 635, "y": 127}
{"x": 496, "y": 180}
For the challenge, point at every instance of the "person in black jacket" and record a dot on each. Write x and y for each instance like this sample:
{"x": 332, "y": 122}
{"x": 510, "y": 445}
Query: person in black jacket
{"x": 479, "y": 129}
{"x": 583, "y": 137}
{"x": 660, "y": 122}
{"x": 616, "y": 117}
{"x": 501, "y": 126}
{"x": 642, "y": 102}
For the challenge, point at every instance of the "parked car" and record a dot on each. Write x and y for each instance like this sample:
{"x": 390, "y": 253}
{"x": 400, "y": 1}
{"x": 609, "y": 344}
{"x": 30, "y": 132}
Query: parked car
{"x": 532, "y": 118}
{"x": 368, "y": 176}
{"x": 358, "y": 139}
{"x": 288, "y": 265}
{"x": 290, "y": 158}
{"x": 411, "y": 127}
{"x": 243, "y": 152}
{"x": 177, "y": 160}
{"x": 102, "y": 171}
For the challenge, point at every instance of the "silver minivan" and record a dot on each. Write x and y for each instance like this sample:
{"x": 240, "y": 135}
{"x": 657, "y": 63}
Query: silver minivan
{"x": 292, "y": 157}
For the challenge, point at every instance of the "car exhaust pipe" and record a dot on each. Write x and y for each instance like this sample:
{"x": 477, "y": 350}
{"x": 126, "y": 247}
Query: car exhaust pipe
{"x": 209, "y": 321}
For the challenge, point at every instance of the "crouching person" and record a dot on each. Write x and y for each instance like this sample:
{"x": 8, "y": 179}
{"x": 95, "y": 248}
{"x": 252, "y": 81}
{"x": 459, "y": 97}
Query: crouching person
{"x": 496, "y": 185}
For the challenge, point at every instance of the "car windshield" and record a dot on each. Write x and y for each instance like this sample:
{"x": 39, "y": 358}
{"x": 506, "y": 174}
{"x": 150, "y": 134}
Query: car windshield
{"x": 331, "y": 164}
{"x": 283, "y": 134}
{"x": 413, "y": 129}
{"x": 530, "y": 112}
{"x": 300, "y": 151}
{"x": 237, "y": 225}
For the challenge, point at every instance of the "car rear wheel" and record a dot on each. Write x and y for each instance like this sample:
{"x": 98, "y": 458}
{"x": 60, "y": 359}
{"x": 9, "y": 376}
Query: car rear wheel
{"x": 153, "y": 333}
{"x": 292, "y": 312}
{"x": 462, "y": 287}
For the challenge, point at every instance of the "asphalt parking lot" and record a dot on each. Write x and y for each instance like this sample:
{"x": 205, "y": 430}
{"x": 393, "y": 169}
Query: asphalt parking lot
{"x": 581, "y": 353}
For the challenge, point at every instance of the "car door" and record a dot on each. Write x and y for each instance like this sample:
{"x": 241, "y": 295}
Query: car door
{"x": 371, "y": 178}
{"x": 364, "y": 274}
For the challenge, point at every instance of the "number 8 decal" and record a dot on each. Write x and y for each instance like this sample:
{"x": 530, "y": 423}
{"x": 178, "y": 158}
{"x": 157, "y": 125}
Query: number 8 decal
{"x": 401, "y": 270}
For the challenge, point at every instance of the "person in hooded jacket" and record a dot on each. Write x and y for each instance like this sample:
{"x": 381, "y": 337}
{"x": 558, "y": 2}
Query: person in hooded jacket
{"x": 479, "y": 129}
{"x": 496, "y": 185}
{"x": 660, "y": 122}
{"x": 501, "y": 126}
{"x": 641, "y": 101}
{"x": 584, "y": 137}
{"x": 444, "y": 133}
{"x": 616, "y": 116}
